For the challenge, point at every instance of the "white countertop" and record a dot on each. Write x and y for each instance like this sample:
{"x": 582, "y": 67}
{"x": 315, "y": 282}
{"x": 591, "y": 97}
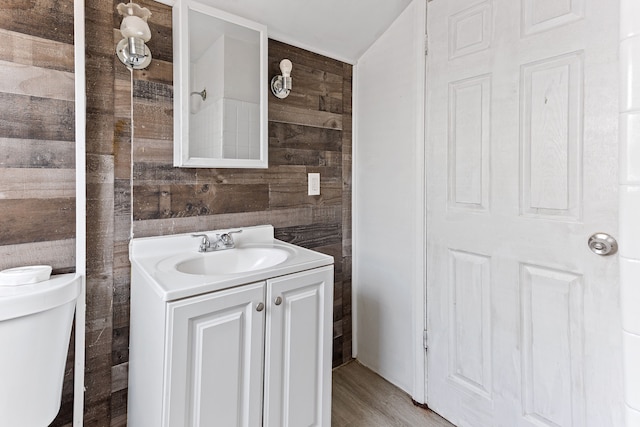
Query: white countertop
{"x": 154, "y": 257}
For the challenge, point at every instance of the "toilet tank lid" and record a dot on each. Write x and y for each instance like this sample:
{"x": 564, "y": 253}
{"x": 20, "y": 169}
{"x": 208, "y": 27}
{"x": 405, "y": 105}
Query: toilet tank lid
{"x": 17, "y": 301}
{"x": 25, "y": 275}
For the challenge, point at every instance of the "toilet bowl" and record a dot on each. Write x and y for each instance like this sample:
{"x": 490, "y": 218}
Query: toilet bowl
{"x": 35, "y": 327}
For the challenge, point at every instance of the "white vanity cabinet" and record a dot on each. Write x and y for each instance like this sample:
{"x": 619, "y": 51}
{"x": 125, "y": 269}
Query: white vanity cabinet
{"x": 257, "y": 354}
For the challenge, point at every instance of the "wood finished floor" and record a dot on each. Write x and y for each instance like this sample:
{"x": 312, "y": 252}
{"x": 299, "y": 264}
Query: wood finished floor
{"x": 362, "y": 398}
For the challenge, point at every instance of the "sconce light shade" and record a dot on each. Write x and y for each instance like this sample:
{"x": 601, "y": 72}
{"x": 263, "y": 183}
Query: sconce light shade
{"x": 281, "y": 85}
{"x": 132, "y": 50}
{"x": 134, "y": 26}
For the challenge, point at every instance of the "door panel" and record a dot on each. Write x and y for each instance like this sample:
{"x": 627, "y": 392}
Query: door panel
{"x": 468, "y": 143}
{"x": 215, "y": 363}
{"x": 298, "y": 354}
{"x": 551, "y": 157}
{"x": 523, "y": 319}
{"x": 470, "y": 319}
{"x": 552, "y": 342}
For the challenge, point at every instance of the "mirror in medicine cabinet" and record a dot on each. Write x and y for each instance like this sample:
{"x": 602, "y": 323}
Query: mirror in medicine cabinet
{"x": 220, "y": 93}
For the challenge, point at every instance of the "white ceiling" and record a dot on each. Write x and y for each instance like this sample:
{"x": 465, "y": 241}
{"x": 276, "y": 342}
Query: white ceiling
{"x": 340, "y": 29}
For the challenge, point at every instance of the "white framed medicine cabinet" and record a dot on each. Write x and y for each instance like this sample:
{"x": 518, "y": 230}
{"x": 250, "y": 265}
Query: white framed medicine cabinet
{"x": 220, "y": 89}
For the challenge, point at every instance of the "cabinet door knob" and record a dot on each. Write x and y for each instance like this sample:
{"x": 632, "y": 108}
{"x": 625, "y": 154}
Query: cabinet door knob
{"x": 260, "y": 306}
{"x": 278, "y": 301}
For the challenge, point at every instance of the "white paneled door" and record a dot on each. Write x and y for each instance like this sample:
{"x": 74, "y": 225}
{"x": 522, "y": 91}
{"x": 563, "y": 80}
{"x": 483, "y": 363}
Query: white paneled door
{"x": 523, "y": 319}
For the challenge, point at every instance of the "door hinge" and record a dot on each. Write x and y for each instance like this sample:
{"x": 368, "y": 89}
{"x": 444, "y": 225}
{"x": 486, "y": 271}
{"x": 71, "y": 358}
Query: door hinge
{"x": 426, "y": 44}
{"x": 424, "y": 339}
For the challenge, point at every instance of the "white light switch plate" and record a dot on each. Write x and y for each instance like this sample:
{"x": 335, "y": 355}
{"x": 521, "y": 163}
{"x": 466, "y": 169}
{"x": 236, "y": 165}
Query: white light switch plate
{"x": 314, "y": 184}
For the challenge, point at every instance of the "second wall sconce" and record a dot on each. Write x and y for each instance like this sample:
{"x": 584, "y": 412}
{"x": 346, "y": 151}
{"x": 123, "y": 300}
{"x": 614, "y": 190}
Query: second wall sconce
{"x": 132, "y": 50}
{"x": 281, "y": 85}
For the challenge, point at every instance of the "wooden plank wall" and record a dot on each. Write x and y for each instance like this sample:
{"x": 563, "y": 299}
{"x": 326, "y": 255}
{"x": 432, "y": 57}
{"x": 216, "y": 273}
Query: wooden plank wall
{"x": 102, "y": 127}
{"x": 308, "y": 132}
{"x": 159, "y": 71}
{"x": 37, "y": 144}
{"x": 37, "y": 136}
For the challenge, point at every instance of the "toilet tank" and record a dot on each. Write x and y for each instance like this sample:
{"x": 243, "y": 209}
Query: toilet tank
{"x": 35, "y": 328}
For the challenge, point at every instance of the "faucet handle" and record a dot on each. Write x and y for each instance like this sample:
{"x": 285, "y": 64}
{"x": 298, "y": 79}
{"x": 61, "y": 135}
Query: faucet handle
{"x": 204, "y": 244}
{"x": 227, "y": 239}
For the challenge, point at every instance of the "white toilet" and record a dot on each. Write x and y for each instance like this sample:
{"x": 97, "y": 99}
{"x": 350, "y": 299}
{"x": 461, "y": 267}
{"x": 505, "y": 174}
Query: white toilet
{"x": 35, "y": 327}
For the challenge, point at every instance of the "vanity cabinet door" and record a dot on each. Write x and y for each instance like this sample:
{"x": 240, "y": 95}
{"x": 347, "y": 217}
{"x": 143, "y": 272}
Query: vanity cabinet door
{"x": 214, "y": 365}
{"x": 298, "y": 349}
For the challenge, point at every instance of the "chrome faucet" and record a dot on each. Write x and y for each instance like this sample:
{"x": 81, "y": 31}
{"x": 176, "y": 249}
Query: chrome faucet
{"x": 223, "y": 241}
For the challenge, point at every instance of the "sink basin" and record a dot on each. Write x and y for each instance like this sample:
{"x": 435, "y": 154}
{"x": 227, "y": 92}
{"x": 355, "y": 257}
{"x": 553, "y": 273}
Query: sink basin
{"x": 232, "y": 261}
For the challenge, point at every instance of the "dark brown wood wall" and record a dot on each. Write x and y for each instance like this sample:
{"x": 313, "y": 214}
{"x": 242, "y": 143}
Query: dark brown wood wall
{"x": 37, "y": 144}
{"x": 308, "y": 132}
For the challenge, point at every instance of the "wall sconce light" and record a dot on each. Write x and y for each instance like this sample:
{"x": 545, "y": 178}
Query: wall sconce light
{"x": 281, "y": 85}
{"x": 132, "y": 50}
